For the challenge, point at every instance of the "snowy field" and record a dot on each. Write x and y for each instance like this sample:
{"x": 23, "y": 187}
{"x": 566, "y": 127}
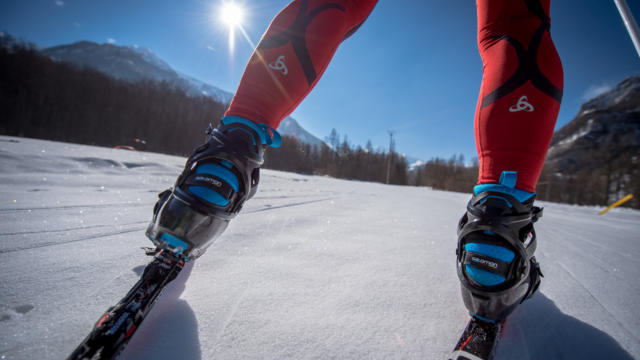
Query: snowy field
{"x": 314, "y": 268}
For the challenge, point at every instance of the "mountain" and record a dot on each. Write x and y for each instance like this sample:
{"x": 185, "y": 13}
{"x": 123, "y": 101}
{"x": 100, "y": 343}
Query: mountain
{"x": 606, "y": 128}
{"x": 290, "y": 127}
{"x": 414, "y": 163}
{"x": 131, "y": 63}
{"x": 136, "y": 63}
{"x": 594, "y": 158}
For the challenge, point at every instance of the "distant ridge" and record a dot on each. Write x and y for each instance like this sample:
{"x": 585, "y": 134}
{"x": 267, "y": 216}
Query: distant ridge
{"x": 131, "y": 63}
{"x": 137, "y": 63}
{"x": 606, "y": 124}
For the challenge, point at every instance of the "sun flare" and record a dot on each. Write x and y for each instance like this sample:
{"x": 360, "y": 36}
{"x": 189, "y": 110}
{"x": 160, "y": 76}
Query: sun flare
{"x": 231, "y": 14}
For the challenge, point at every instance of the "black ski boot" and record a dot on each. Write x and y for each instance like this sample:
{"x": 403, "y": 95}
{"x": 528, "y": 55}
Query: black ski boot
{"x": 496, "y": 242}
{"x": 218, "y": 178}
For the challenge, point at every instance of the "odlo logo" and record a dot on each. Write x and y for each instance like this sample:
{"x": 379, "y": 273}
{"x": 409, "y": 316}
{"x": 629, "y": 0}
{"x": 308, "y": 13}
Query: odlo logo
{"x": 523, "y": 104}
{"x": 279, "y": 65}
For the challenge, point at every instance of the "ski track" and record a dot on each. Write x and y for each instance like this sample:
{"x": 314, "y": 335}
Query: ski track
{"x": 280, "y": 197}
{"x": 595, "y": 299}
{"x": 231, "y": 313}
{"x": 68, "y": 229}
{"x": 602, "y": 265}
{"x": 92, "y": 237}
{"x": 69, "y": 207}
{"x": 267, "y": 208}
{"x": 340, "y": 269}
{"x": 52, "y": 231}
{"x": 572, "y": 227}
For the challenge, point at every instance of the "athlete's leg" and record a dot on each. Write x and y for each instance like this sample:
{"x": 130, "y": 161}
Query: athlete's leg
{"x": 521, "y": 89}
{"x": 516, "y": 112}
{"x": 292, "y": 55}
{"x": 223, "y": 173}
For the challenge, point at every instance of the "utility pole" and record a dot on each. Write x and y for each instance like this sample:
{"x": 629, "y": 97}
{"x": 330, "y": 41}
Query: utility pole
{"x": 629, "y": 22}
{"x": 390, "y": 153}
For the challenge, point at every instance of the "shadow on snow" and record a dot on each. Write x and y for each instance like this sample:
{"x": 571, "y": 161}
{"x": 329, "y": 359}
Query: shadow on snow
{"x": 536, "y": 330}
{"x": 539, "y": 330}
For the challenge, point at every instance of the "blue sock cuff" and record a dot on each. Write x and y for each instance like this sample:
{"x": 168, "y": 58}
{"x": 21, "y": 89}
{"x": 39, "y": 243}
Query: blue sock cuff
{"x": 268, "y": 135}
{"x": 507, "y": 185}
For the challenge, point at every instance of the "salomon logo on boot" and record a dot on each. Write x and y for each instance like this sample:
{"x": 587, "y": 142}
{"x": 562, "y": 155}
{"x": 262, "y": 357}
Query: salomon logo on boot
{"x": 485, "y": 262}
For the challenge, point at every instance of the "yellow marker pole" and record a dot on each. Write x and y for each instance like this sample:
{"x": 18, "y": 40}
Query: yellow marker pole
{"x": 617, "y": 203}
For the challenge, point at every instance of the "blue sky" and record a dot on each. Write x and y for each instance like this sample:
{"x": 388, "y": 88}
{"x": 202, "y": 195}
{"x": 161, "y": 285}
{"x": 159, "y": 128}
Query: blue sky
{"x": 413, "y": 67}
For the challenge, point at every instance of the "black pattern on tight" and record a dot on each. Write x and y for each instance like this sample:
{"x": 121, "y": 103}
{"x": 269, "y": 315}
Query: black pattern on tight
{"x": 296, "y": 35}
{"x": 528, "y": 69}
{"x": 536, "y": 9}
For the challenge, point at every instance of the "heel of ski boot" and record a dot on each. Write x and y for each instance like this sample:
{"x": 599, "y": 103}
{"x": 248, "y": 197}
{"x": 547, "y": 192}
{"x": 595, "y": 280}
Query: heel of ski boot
{"x": 496, "y": 242}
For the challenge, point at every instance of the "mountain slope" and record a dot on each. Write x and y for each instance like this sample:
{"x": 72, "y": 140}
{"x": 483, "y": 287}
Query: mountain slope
{"x": 605, "y": 128}
{"x": 290, "y": 127}
{"x": 594, "y": 158}
{"x": 130, "y": 63}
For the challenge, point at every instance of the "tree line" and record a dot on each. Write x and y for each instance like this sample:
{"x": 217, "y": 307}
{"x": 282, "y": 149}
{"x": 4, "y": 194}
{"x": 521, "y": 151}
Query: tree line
{"x": 340, "y": 160}
{"x": 601, "y": 184}
{"x": 612, "y": 175}
{"x": 450, "y": 175}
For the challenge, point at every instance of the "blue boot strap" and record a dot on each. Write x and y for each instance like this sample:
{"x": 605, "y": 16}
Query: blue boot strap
{"x": 268, "y": 135}
{"x": 507, "y": 185}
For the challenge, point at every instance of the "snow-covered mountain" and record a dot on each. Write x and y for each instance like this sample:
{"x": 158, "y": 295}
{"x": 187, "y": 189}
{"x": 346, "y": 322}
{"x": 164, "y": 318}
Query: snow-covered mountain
{"x": 130, "y": 63}
{"x": 136, "y": 63}
{"x": 414, "y": 163}
{"x": 626, "y": 95}
{"x": 606, "y": 126}
{"x": 290, "y": 127}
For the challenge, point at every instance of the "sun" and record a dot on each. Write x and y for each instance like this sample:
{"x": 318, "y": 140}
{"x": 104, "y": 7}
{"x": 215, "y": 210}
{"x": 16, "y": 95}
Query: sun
{"x": 231, "y": 14}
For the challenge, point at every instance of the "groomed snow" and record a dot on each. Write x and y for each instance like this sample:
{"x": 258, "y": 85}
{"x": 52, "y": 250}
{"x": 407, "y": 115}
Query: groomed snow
{"x": 314, "y": 268}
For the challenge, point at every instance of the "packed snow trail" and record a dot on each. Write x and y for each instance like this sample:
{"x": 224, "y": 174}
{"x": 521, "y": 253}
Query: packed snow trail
{"x": 314, "y": 267}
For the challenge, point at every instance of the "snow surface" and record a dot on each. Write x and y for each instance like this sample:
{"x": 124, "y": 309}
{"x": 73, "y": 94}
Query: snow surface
{"x": 314, "y": 268}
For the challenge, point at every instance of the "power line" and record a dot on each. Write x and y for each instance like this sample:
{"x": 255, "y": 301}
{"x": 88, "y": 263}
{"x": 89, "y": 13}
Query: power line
{"x": 391, "y": 132}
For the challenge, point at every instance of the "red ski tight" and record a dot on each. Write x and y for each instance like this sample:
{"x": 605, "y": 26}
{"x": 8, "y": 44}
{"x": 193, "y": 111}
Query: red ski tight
{"x": 292, "y": 56}
{"x": 519, "y": 96}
